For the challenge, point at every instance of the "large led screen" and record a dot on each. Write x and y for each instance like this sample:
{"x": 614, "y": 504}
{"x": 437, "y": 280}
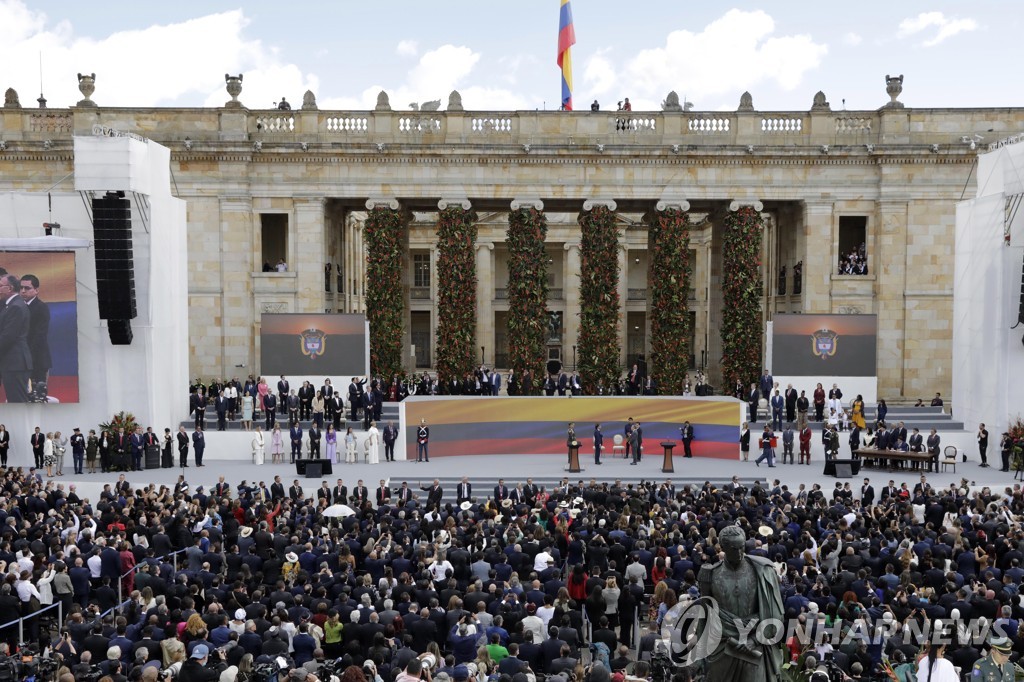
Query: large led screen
{"x": 309, "y": 344}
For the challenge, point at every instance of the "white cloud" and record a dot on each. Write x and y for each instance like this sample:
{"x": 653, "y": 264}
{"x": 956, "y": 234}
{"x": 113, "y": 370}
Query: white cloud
{"x": 180, "y": 74}
{"x": 947, "y": 27}
{"x": 733, "y": 53}
{"x": 408, "y": 48}
{"x": 853, "y": 39}
{"x": 436, "y": 74}
{"x": 599, "y": 74}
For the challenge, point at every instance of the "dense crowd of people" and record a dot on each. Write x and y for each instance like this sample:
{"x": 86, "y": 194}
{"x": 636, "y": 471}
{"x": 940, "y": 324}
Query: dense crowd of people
{"x": 572, "y": 583}
{"x": 855, "y": 262}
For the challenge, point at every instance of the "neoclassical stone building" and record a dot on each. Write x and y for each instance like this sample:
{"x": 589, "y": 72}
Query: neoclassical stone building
{"x": 264, "y": 186}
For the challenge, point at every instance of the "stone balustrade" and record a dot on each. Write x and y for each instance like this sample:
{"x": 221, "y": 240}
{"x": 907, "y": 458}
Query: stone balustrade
{"x": 676, "y": 131}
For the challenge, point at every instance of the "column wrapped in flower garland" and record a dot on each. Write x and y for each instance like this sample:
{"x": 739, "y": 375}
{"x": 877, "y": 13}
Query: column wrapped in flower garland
{"x": 669, "y": 300}
{"x": 386, "y": 240}
{"x": 741, "y": 293}
{"x": 456, "y": 292}
{"x": 527, "y": 293}
{"x": 599, "y": 298}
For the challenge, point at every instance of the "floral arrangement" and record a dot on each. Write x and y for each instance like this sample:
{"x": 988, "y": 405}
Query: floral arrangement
{"x": 1016, "y": 431}
{"x": 599, "y": 299}
{"x": 385, "y": 235}
{"x": 527, "y": 293}
{"x": 456, "y": 293}
{"x": 669, "y": 288}
{"x": 741, "y": 289}
{"x": 122, "y": 419}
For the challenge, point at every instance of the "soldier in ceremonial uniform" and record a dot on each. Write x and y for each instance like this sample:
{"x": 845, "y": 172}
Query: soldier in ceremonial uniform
{"x": 996, "y": 666}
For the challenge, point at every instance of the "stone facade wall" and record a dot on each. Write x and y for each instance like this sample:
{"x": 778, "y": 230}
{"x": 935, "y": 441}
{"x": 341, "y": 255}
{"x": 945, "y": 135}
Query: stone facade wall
{"x": 903, "y": 168}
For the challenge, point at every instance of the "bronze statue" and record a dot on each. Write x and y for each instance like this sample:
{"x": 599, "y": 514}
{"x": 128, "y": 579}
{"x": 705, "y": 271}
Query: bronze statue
{"x": 746, "y": 591}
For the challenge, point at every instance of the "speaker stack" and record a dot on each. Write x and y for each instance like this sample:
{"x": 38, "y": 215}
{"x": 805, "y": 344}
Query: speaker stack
{"x": 115, "y": 270}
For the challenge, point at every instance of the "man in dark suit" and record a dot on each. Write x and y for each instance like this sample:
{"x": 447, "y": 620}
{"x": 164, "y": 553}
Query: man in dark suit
{"x": 220, "y": 405}
{"x": 404, "y": 493}
{"x": 464, "y": 491}
{"x": 500, "y": 490}
{"x": 314, "y": 442}
{"x": 899, "y": 433}
{"x": 182, "y": 447}
{"x": 295, "y": 491}
{"x": 277, "y": 489}
{"x": 355, "y": 401}
{"x": 15, "y": 354}
{"x": 383, "y": 493}
{"x": 767, "y": 382}
{"x": 563, "y": 383}
{"x": 867, "y": 494}
{"x": 598, "y": 443}
{"x": 639, "y": 454}
{"x": 752, "y": 400}
{"x": 199, "y": 445}
{"x": 367, "y": 409}
{"x": 38, "y": 329}
{"x": 283, "y": 388}
{"x": 390, "y": 436}
{"x": 339, "y": 493}
{"x": 122, "y": 448}
{"x": 359, "y": 493}
{"x": 434, "y": 493}
{"x": 306, "y": 394}
{"x": 38, "y": 440}
{"x": 270, "y": 410}
{"x": 916, "y": 441}
{"x": 198, "y": 405}
{"x": 296, "y": 437}
{"x": 686, "y": 435}
{"x": 138, "y": 442}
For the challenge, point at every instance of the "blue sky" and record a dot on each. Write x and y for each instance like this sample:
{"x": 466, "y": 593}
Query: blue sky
{"x": 501, "y": 55}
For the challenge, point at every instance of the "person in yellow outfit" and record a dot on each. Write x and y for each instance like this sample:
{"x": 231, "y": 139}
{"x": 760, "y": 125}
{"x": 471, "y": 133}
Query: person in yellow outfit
{"x": 858, "y": 412}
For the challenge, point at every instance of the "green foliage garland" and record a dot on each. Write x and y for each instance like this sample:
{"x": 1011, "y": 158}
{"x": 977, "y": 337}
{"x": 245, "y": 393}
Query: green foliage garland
{"x": 669, "y": 304}
{"x": 599, "y": 299}
{"x": 527, "y": 293}
{"x": 385, "y": 301}
{"x": 456, "y": 293}
{"x": 741, "y": 290}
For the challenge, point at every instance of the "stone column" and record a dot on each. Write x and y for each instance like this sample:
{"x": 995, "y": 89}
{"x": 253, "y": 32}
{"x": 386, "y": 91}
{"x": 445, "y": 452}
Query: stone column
{"x": 669, "y": 274}
{"x": 571, "y": 284}
{"x": 387, "y": 295}
{"x": 892, "y": 301}
{"x": 819, "y": 256}
{"x": 237, "y": 319}
{"x": 307, "y": 259}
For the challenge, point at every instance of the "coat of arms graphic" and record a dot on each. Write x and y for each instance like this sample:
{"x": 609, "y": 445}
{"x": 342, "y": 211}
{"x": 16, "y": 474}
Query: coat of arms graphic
{"x": 824, "y": 343}
{"x": 313, "y": 343}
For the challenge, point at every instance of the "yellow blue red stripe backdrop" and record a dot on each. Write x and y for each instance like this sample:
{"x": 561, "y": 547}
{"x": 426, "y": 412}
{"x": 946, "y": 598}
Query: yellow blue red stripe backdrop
{"x": 537, "y": 425}
{"x": 566, "y": 39}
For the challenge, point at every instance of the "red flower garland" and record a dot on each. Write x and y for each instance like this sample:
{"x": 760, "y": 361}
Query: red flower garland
{"x": 741, "y": 289}
{"x": 386, "y": 239}
{"x": 670, "y": 299}
{"x": 599, "y": 300}
{"x": 456, "y": 293}
{"x": 527, "y": 293}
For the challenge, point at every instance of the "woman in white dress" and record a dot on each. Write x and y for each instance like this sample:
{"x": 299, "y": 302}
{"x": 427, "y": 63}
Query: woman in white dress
{"x": 276, "y": 444}
{"x": 933, "y": 667}
{"x": 49, "y": 456}
{"x": 373, "y": 444}
{"x": 258, "y": 452}
{"x": 350, "y": 446}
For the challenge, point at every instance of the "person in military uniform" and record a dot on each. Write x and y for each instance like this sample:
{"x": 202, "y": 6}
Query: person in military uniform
{"x": 996, "y": 666}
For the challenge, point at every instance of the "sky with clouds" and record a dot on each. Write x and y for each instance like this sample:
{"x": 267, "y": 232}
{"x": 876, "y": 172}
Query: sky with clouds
{"x": 501, "y": 55}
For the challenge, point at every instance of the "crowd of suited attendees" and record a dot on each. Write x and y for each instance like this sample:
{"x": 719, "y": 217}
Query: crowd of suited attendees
{"x": 568, "y": 584}
{"x": 258, "y": 400}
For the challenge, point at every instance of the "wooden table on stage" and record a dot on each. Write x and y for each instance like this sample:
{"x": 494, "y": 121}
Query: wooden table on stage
{"x": 667, "y": 466}
{"x": 574, "y": 459}
{"x": 890, "y": 456}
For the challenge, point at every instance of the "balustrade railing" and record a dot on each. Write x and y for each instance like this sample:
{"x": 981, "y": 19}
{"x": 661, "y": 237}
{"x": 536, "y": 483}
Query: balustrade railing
{"x": 709, "y": 125}
{"x": 781, "y": 124}
{"x": 275, "y": 123}
{"x": 489, "y": 125}
{"x": 346, "y": 124}
{"x": 853, "y": 125}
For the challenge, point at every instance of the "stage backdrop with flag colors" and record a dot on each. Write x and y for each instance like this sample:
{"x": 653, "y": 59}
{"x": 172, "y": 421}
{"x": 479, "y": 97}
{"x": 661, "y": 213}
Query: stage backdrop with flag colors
{"x": 824, "y": 345}
{"x": 57, "y": 294}
{"x": 314, "y": 345}
{"x": 537, "y": 425}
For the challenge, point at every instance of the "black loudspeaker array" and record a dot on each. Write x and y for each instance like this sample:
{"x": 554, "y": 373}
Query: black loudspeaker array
{"x": 115, "y": 270}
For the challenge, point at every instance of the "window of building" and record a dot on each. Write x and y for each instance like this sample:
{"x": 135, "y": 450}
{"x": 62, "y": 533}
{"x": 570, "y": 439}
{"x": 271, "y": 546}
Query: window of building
{"x": 274, "y": 237}
{"x": 853, "y": 251}
{"x": 421, "y": 270}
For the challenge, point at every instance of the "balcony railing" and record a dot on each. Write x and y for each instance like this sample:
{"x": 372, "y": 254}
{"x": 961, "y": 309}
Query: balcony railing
{"x": 419, "y": 293}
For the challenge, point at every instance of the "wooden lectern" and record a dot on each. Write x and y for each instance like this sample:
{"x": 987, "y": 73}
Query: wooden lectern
{"x": 574, "y": 457}
{"x": 667, "y": 466}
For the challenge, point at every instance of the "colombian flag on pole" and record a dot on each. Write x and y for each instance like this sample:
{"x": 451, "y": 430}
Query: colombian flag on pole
{"x": 566, "y": 39}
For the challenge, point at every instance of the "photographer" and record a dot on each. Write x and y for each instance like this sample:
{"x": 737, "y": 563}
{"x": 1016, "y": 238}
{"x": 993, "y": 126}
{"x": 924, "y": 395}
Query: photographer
{"x": 200, "y": 668}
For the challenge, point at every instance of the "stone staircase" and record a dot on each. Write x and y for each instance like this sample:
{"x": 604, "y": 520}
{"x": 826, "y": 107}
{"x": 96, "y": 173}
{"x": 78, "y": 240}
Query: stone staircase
{"x": 924, "y": 418}
{"x": 389, "y": 412}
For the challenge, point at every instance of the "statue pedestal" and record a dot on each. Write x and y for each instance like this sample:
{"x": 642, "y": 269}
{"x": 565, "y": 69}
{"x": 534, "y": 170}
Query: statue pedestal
{"x": 574, "y": 460}
{"x": 667, "y": 467}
